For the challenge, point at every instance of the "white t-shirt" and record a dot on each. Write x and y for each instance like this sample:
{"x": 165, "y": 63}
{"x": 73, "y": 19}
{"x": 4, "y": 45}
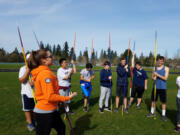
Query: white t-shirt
{"x": 178, "y": 84}
{"x": 61, "y": 73}
{"x": 86, "y": 74}
{"x": 25, "y": 87}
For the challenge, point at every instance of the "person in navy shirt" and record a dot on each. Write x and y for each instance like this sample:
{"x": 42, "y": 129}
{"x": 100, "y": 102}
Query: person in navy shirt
{"x": 106, "y": 85}
{"x": 123, "y": 72}
{"x": 139, "y": 83}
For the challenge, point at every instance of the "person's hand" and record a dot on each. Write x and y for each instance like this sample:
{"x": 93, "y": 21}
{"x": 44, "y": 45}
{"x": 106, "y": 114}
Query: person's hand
{"x": 155, "y": 73}
{"x": 72, "y": 62}
{"x": 89, "y": 80}
{"x": 31, "y": 83}
{"x": 71, "y": 71}
{"x": 126, "y": 66}
{"x": 27, "y": 69}
{"x": 72, "y": 94}
{"x": 110, "y": 77}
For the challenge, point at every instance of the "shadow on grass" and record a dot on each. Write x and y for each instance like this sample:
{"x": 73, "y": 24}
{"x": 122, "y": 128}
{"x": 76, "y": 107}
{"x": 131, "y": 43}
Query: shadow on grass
{"x": 148, "y": 103}
{"x": 170, "y": 114}
{"x": 82, "y": 124}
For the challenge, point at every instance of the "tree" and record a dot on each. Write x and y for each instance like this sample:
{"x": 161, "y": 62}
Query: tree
{"x": 80, "y": 58}
{"x": 54, "y": 50}
{"x": 85, "y": 54}
{"x": 41, "y": 45}
{"x": 126, "y": 54}
{"x": 65, "y": 52}
{"x": 58, "y": 51}
{"x": 72, "y": 53}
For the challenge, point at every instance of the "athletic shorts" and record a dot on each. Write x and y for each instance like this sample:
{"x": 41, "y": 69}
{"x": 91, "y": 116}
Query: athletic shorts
{"x": 137, "y": 90}
{"x": 27, "y": 103}
{"x": 121, "y": 90}
{"x": 63, "y": 92}
{"x": 159, "y": 93}
{"x": 86, "y": 89}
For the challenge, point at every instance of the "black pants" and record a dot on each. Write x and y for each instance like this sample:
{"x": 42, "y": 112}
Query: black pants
{"x": 45, "y": 122}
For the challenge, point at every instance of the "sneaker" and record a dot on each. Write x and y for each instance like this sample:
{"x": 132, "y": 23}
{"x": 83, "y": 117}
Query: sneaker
{"x": 129, "y": 105}
{"x": 177, "y": 129}
{"x": 138, "y": 107}
{"x": 101, "y": 110}
{"x": 163, "y": 118}
{"x": 125, "y": 110}
{"x": 85, "y": 109}
{"x": 71, "y": 112}
{"x": 107, "y": 109}
{"x": 116, "y": 110}
{"x": 150, "y": 115}
{"x": 30, "y": 127}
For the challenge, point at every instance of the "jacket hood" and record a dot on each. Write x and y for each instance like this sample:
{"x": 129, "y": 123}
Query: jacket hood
{"x": 37, "y": 70}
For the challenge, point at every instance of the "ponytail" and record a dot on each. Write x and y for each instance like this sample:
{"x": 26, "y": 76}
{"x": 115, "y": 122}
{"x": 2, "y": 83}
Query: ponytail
{"x": 35, "y": 58}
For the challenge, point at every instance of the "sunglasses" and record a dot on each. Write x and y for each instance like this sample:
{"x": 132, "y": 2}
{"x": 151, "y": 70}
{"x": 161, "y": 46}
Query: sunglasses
{"x": 50, "y": 56}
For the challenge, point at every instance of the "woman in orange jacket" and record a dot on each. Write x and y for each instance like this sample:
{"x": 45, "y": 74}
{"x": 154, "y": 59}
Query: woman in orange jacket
{"x": 46, "y": 94}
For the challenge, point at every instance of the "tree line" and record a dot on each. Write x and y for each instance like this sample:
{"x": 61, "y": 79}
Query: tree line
{"x": 64, "y": 51}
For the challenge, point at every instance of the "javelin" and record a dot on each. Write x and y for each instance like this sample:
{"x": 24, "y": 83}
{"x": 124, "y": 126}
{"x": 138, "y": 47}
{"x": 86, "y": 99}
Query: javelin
{"x": 25, "y": 61}
{"x": 73, "y": 53}
{"x": 37, "y": 40}
{"x": 92, "y": 51}
{"x": 125, "y": 78}
{"x": 131, "y": 72}
{"x": 155, "y": 67}
{"x": 110, "y": 65}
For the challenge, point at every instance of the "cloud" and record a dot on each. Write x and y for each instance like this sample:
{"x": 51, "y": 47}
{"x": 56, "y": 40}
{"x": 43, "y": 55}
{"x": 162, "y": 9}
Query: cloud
{"x": 23, "y": 7}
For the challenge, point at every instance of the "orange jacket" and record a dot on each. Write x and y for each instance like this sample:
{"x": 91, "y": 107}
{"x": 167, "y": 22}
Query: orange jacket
{"x": 46, "y": 88}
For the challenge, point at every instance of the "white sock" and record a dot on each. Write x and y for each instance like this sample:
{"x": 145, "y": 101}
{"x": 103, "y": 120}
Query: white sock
{"x": 152, "y": 110}
{"x": 163, "y": 112}
{"x": 67, "y": 108}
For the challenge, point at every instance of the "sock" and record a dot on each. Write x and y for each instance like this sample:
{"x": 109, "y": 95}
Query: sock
{"x": 163, "y": 112}
{"x": 152, "y": 110}
{"x": 67, "y": 108}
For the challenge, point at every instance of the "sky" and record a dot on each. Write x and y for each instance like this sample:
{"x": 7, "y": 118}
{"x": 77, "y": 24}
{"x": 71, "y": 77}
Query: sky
{"x": 56, "y": 21}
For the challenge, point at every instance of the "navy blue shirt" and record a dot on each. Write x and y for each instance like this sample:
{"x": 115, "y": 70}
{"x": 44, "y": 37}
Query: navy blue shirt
{"x": 122, "y": 75}
{"x": 104, "y": 78}
{"x": 139, "y": 77}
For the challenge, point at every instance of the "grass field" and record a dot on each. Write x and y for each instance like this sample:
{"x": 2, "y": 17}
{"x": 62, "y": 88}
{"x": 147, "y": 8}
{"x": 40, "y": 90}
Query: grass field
{"x": 12, "y": 120}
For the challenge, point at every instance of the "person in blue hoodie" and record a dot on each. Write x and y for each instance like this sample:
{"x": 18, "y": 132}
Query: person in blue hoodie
{"x": 106, "y": 85}
{"x": 123, "y": 72}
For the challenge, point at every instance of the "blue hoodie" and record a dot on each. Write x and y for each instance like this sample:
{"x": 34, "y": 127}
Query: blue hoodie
{"x": 104, "y": 78}
{"x": 122, "y": 79}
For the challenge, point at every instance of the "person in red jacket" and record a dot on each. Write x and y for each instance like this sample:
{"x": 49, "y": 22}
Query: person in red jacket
{"x": 46, "y": 94}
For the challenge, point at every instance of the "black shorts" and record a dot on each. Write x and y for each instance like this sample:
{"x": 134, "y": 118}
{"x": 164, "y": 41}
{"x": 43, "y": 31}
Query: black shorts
{"x": 161, "y": 93}
{"x": 121, "y": 90}
{"x": 137, "y": 89}
{"x": 28, "y": 103}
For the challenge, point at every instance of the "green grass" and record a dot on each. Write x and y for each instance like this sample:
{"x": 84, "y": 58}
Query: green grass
{"x": 12, "y": 120}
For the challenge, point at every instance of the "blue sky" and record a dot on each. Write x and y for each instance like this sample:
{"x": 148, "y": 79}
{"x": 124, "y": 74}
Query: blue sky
{"x": 55, "y": 21}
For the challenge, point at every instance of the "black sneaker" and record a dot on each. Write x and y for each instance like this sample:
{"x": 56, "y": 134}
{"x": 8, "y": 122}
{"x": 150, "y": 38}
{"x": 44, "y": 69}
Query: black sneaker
{"x": 138, "y": 107}
{"x": 107, "y": 109}
{"x": 129, "y": 105}
{"x": 116, "y": 110}
{"x": 125, "y": 110}
{"x": 71, "y": 112}
{"x": 150, "y": 115}
{"x": 85, "y": 109}
{"x": 177, "y": 129}
{"x": 101, "y": 110}
{"x": 163, "y": 118}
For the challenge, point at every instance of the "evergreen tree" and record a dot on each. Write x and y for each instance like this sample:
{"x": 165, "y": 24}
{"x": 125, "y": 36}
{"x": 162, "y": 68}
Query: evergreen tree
{"x": 41, "y": 45}
{"x": 65, "y": 53}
